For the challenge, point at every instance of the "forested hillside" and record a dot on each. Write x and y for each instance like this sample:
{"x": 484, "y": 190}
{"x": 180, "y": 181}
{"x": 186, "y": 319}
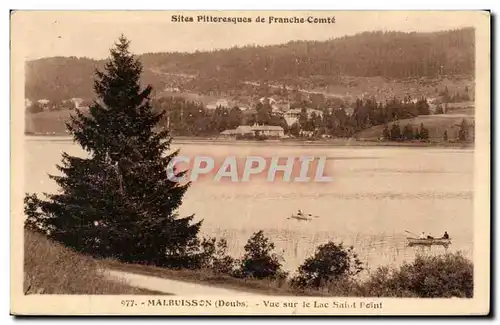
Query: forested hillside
{"x": 60, "y": 78}
{"x": 387, "y": 54}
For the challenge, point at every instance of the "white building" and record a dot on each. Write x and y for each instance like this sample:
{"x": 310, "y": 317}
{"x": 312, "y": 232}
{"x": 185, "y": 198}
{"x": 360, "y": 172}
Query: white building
{"x": 272, "y": 131}
{"x": 270, "y": 100}
{"x": 77, "y": 101}
{"x": 292, "y": 116}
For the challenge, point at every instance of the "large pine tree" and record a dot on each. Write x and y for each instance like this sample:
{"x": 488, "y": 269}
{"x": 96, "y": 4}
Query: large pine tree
{"x": 118, "y": 202}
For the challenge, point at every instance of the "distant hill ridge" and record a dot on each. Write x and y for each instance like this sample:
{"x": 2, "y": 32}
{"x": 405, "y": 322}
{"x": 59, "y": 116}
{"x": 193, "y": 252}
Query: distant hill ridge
{"x": 387, "y": 54}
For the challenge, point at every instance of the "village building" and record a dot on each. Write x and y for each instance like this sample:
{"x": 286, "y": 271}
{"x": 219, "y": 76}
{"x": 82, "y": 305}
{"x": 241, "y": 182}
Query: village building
{"x": 45, "y": 104}
{"x": 77, "y": 101}
{"x": 270, "y": 131}
{"x": 242, "y": 130}
{"x": 172, "y": 89}
{"x": 43, "y": 101}
{"x": 292, "y": 116}
{"x": 268, "y": 100}
{"x": 280, "y": 108}
{"x": 349, "y": 111}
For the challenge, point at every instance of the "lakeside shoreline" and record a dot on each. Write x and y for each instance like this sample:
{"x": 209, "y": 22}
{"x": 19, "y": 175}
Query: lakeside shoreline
{"x": 44, "y": 256}
{"x": 289, "y": 142}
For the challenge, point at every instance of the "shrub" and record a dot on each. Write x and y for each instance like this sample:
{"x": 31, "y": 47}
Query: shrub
{"x": 424, "y": 132}
{"x": 259, "y": 260}
{"x": 214, "y": 256}
{"x": 407, "y": 132}
{"x": 331, "y": 262}
{"x": 444, "y": 276}
{"x": 382, "y": 283}
{"x": 395, "y": 132}
{"x": 386, "y": 135}
{"x": 222, "y": 262}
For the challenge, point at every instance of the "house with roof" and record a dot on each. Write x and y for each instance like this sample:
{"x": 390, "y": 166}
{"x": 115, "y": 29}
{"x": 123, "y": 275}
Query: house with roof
{"x": 348, "y": 110}
{"x": 242, "y": 130}
{"x": 269, "y": 131}
{"x": 77, "y": 101}
{"x": 45, "y": 104}
{"x": 292, "y": 116}
{"x": 272, "y": 131}
{"x": 269, "y": 100}
{"x": 43, "y": 101}
{"x": 172, "y": 89}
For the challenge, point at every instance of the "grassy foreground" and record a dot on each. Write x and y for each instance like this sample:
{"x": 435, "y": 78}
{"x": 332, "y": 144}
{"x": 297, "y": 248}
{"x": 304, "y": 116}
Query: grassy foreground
{"x": 210, "y": 278}
{"x": 50, "y": 268}
{"x": 443, "y": 276}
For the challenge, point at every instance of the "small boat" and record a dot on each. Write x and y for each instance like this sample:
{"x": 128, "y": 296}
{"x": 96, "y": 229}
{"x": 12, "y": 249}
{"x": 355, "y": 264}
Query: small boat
{"x": 302, "y": 217}
{"x": 428, "y": 241}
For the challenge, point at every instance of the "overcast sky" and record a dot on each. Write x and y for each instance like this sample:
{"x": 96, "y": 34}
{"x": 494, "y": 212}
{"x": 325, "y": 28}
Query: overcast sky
{"x": 91, "y": 34}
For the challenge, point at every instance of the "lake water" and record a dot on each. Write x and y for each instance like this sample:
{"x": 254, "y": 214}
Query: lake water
{"x": 377, "y": 193}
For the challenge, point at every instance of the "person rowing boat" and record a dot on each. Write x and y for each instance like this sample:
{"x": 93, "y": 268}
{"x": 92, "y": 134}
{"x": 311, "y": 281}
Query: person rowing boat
{"x": 428, "y": 240}
{"x": 301, "y": 216}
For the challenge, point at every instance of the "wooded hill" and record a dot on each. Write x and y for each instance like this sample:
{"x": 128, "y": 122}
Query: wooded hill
{"x": 394, "y": 55}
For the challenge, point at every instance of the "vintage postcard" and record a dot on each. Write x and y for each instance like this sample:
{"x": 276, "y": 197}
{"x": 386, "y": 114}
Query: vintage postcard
{"x": 250, "y": 163}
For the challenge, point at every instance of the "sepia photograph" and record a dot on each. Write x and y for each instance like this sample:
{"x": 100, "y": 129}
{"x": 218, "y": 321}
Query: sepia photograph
{"x": 250, "y": 163}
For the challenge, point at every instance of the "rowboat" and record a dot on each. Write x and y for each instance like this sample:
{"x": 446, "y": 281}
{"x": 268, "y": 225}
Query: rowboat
{"x": 428, "y": 242}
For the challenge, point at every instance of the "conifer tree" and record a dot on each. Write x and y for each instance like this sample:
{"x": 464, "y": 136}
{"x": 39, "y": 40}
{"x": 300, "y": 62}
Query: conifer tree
{"x": 259, "y": 260}
{"x": 408, "y": 132}
{"x": 416, "y": 134}
{"x": 386, "y": 135}
{"x": 118, "y": 201}
{"x": 424, "y": 132}
{"x": 463, "y": 133}
{"x": 395, "y": 132}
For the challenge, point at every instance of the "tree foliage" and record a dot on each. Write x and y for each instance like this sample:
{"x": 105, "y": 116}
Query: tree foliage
{"x": 408, "y": 133}
{"x": 442, "y": 276}
{"x": 118, "y": 201}
{"x": 386, "y": 54}
{"x": 423, "y": 133}
{"x": 463, "y": 132}
{"x": 260, "y": 261}
{"x": 395, "y": 132}
{"x": 330, "y": 262}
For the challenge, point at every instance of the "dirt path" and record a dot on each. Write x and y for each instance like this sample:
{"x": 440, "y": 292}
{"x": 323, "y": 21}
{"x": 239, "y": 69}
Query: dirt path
{"x": 168, "y": 286}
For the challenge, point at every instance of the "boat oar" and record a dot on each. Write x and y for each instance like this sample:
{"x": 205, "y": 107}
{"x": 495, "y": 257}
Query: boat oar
{"x": 411, "y": 233}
